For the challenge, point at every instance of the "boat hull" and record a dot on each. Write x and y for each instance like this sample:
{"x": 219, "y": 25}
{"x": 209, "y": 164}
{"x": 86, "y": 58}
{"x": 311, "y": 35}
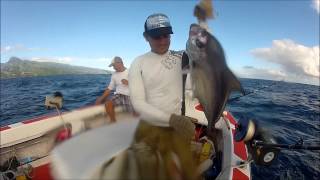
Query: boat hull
{"x": 91, "y": 139}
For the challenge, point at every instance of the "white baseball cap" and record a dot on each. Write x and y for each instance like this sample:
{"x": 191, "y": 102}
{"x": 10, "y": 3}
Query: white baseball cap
{"x": 115, "y": 59}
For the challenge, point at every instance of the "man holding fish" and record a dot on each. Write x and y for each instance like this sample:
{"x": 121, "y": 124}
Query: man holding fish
{"x": 156, "y": 94}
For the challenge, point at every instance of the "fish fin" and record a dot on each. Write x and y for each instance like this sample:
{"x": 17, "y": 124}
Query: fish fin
{"x": 233, "y": 82}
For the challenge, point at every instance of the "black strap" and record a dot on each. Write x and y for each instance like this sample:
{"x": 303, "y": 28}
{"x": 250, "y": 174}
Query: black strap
{"x": 184, "y": 64}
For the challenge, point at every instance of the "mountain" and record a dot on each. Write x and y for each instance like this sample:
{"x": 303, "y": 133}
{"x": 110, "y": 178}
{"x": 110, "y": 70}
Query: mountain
{"x": 16, "y": 67}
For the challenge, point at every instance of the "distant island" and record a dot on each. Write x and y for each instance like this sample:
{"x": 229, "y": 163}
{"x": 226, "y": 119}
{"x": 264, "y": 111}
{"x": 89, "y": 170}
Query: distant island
{"x": 16, "y": 67}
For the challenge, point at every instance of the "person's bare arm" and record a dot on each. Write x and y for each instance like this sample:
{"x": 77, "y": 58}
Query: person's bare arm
{"x": 105, "y": 94}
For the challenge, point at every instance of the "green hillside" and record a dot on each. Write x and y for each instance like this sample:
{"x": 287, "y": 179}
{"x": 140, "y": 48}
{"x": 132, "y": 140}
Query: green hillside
{"x": 16, "y": 67}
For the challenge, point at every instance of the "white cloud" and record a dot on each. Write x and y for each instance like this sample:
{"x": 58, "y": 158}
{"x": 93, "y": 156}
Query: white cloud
{"x": 316, "y": 5}
{"x": 291, "y": 61}
{"x": 259, "y": 73}
{"x": 292, "y": 58}
{"x": 105, "y": 60}
{"x": 64, "y": 60}
{"x": 5, "y": 49}
{"x": 100, "y": 63}
{"x": 17, "y": 47}
{"x": 274, "y": 74}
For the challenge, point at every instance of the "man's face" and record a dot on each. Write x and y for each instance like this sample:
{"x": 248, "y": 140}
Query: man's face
{"x": 117, "y": 66}
{"x": 159, "y": 44}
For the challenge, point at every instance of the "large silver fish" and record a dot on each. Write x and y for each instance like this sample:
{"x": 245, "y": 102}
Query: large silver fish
{"x": 212, "y": 80}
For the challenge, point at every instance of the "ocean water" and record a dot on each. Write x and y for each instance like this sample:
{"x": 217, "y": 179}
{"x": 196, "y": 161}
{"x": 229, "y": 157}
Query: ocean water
{"x": 288, "y": 111}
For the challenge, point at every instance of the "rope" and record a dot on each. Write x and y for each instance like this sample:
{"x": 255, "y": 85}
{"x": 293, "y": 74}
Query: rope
{"x": 12, "y": 157}
{"x": 62, "y": 120}
{"x": 27, "y": 171}
{"x": 4, "y": 175}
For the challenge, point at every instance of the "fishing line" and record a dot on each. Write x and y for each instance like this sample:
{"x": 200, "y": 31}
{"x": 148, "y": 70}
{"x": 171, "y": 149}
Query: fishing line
{"x": 63, "y": 122}
{"x": 12, "y": 157}
{"x": 299, "y": 145}
{"x": 252, "y": 92}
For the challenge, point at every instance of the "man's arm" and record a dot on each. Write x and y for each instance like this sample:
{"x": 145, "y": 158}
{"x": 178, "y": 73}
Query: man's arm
{"x": 105, "y": 94}
{"x": 138, "y": 98}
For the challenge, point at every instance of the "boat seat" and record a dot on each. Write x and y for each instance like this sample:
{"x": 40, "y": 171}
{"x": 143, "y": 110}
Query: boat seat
{"x": 68, "y": 158}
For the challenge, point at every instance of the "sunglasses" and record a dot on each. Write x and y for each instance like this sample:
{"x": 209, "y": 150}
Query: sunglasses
{"x": 165, "y": 36}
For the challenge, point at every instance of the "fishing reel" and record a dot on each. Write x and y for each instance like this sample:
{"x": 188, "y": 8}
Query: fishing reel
{"x": 54, "y": 101}
{"x": 248, "y": 131}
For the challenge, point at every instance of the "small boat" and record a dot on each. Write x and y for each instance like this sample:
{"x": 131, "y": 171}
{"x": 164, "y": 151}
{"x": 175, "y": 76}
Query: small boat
{"x": 82, "y": 144}
{"x": 28, "y": 143}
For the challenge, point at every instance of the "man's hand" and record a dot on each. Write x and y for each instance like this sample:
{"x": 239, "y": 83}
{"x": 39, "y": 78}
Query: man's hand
{"x": 183, "y": 125}
{"x": 204, "y": 10}
{"x": 124, "y": 81}
{"x": 104, "y": 96}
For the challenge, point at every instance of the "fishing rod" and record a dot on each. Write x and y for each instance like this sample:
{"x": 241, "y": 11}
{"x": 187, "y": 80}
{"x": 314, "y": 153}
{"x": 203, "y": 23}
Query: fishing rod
{"x": 265, "y": 152}
{"x": 249, "y": 131}
{"x": 298, "y": 145}
{"x": 261, "y": 146}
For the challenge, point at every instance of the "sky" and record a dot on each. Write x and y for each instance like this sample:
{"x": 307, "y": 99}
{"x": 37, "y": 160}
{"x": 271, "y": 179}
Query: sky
{"x": 262, "y": 39}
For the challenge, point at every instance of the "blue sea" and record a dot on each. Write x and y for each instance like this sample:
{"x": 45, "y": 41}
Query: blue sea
{"x": 288, "y": 111}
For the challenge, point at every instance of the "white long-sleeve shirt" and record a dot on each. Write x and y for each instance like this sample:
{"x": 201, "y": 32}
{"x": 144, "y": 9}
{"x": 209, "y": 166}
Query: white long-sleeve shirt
{"x": 156, "y": 86}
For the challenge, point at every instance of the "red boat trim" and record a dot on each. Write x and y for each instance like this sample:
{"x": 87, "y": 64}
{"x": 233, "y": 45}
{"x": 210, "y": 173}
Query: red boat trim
{"x": 199, "y": 107}
{"x": 42, "y": 173}
{"x": 29, "y": 121}
{"x": 239, "y": 148}
{"x": 4, "y": 128}
{"x": 38, "y": 118}
{"x": 238, "y": 175}
{"x": 231, "y": 118}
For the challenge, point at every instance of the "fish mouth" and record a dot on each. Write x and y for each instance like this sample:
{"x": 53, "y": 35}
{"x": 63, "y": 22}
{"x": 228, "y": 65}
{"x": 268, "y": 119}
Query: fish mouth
{"x": 195, "y": 49}
{"x": 198, "y": 36}
{"x": 197, "y": 43}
